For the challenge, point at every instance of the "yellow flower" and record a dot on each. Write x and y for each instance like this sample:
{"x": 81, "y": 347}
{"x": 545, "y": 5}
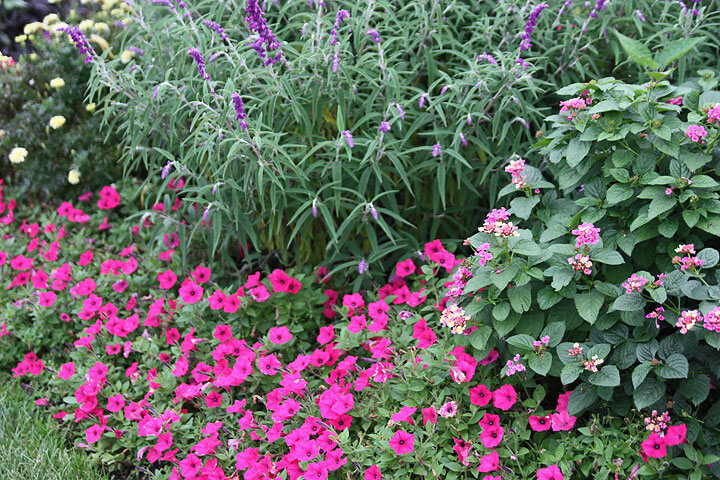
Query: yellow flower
{"x": 126, "y": 56}
{"x": 90, "y": 107}
{"x": 86, "y": 25}
{"x": 20, "y": 38}
{"x": 17, "y": 155}
{"x": 57, "y": 83}
{"x": 74, "y": 176}
{"x": 57, "y": 121}
{"x": 31, "y": 28}
{"x": 102, "y": 27}
{"x": 51, "y": 18}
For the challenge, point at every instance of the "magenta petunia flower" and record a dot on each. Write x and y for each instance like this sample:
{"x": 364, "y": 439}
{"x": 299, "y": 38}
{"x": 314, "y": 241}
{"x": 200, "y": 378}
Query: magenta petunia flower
{"x": 550, "y": 473}
{"x": 504, "y": 397}
{"x": 280, "y": 335}
{"x": 402, "y": 442}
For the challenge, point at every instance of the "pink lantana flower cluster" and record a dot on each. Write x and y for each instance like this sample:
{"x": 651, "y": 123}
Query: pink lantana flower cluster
{"x": 635, "y": 283}
{"x": 696, "y": 133}
{"x": 688, "y": 262}
{"x": 496, "y": 224}
{"x": 573, "y": 106}
{"x": 516, "y": 168}
{"x": 581, "y": 263}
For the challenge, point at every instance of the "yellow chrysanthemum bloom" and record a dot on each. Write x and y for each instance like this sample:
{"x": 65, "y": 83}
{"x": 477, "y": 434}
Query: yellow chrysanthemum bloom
{"x": 74, "y": 176}
{"x": 51, "y": 18}
{"x": 126, "y": 56}
{"x": 86, "y": 25}
{"x": 17, "y": 155}
{"x": 57, "y": 121}
{"x": 57, "y": 83}
{"x": 90, "y": 107}
{"x": 101, "y": 27}
{"x": 31, "y": 28}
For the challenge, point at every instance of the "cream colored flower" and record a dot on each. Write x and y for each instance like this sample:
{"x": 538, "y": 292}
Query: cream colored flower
{"x": 126, "y": 56}
{"x": 17, "y": 155}
{"x": 51, "y": 18}
{"x": 57, "y": 121}
{"x": 90, "y": 107}
{"x": 31, "y": 28}
{"x": 86, "y": 25}
{"x": 57, "y": 83}
{"x": 101, "y": 27}
{"x": 74, "y": 176}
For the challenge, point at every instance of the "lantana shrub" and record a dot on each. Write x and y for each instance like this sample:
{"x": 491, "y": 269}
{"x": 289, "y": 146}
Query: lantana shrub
{"x": 619, "y": 248}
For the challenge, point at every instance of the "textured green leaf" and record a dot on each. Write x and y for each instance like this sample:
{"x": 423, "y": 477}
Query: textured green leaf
{"x": 676, "y": 366}
{"x": 608, "y": 376}
{"x": 640, "y": 373}
{"x": 674, "y": 50}
{"x": 570, "y": 373}
{"x": 521, "y": 341}
{"x": 619, "y": 193}
{"x": 576, "y": 151}
{"x": 589, "y": 304}
{"x": 541, "y": 365}
{"x": 629, "y": 302}
{"x": 610, "y": 257}
{"x": 648, "y": 393}
{"x": 520, "y": 298}
{"x": 581, "y": 399}
{"x": 696, "y": 388}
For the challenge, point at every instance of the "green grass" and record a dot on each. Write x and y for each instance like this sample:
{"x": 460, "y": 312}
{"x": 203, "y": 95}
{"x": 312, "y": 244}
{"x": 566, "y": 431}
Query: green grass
{"x": 33, "y": 446}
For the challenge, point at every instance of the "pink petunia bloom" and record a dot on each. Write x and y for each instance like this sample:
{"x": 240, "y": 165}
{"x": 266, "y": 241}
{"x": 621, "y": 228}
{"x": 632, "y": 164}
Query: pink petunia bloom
{"x": 67, "y": 370}
{"x": 429, "y": 415}
{"x": 654, "y": 446}
{"x": 190, "y": 292}
{"x": 480, "y": 395}
{"x": 405, "y": 268}
{"x": 490, "y": 462}
{"x": 357, "y": 323}
{"x": 373, "y": 473}
{"x": 279, "y": 335}
{"x": 491, "y": 437}
{"x": 504, "y": 397}
{"x": 491, "y": 357}
{"x": 93, "y": 433}
{"x": 316, "y": 471}
{"x": 489, "y": 420}
{"x": 115, "y": 403}
{"x": 47, "y": 299}
{"x": 166, "y": 279}
{"x": 540, "y": 424}
{"x": 201, "y": 274}
{"x": 402, "y": 442}
{"x": 326, "y": 334}
{"x": 562, "y": 402}
{"x": 675, "y": 435}
{"x": 562, "y": 421}
{"x": 550, "y": 473}
{"x": 404, "y": 415}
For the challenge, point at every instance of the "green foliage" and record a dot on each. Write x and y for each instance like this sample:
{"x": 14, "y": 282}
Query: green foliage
{"x": 290, "y": 184}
